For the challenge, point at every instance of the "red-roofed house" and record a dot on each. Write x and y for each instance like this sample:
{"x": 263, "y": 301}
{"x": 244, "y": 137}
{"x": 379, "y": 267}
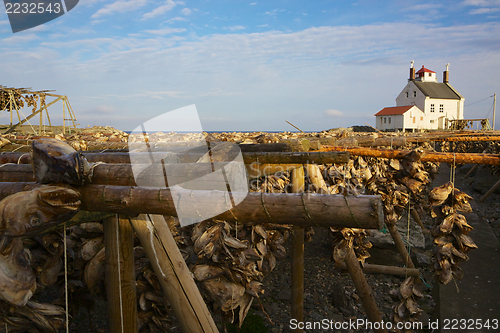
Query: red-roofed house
{"x": 438, "y": 102}
{"x": 399, "y": 118}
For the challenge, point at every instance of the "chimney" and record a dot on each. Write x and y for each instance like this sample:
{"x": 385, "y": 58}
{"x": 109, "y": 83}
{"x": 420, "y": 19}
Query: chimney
{"x": 446, "y": 75}
{"x": 412, "y": 72}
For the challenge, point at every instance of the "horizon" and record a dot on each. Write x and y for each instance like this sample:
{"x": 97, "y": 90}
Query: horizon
{"x": 252, "y": 65}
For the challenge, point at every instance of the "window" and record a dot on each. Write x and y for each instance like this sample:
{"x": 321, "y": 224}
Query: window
{"x": 385, "y": 120}
{"x": 414, "y": 93}
{"x": 421, "y": 118}
{"x": 432, "y": 121}
{"x": 430, "y": 74}
{"x": 407, "y": 94}
{"x": 389, "y": 120}
{"x": 432, "y": 107}
{"x": 441, "y": 108}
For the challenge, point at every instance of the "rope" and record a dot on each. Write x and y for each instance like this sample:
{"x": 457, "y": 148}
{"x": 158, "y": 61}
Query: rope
{"x": 2, "y": 165}
{"x": 19, "y": 160}
{"x": 20, "y": 148}
{"x": 119, "y": 273}
{"x": 66, "y": 280}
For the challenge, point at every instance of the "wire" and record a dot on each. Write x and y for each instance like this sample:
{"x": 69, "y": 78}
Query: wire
{"x": 479, "y": 101}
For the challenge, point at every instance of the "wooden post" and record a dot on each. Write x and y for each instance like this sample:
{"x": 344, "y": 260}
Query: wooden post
{"x": 363, "y": 289}
{"x": 417, "y": 219}
{"x": 173, "y": 274}
{"x": 383, "y": 269}
{"x": 64, "y": 116}
{"x": 396, "y": 236}
{"x": 120, "y": 276}
{"x": 490, "y": 191}
{"x": 298, "y": 255}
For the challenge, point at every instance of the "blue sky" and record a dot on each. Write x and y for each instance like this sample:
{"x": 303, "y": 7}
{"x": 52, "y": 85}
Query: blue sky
{"x": 252, "y": 65}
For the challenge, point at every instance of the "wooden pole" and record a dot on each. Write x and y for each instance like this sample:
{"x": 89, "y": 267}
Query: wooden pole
{"x": 474, "y": 168}
{"x": 298, "y": 255}
{"x": 459, "y": 158}
{"x": 363, "y": 289}
{"x": 120, "y": 276}
{"x": 490, "y": 191}
{"x": 494, "y": 110}
{"x": 304, "y": 209}
{"x": 173, "y": 274}
{"x": 396, "y": 236}
{"x": 417, "y": 219}
{"x": 383, "y": 269}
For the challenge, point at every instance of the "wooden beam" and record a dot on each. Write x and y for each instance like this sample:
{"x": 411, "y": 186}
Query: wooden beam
{"x": 383, "y": 269}
{"x": 173, "y": 274}
{"x": 306, "y": 209}
{"x": 120, "y": 276}
{"x": 459, "y": 158}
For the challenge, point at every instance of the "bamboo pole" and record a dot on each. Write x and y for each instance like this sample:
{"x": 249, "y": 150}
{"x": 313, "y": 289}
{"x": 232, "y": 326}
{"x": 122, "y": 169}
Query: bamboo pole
{"x": 490, "y": 191}
{"x": 306, "y": 209}
{"x": 120, "y": 276}
{"x": 173, "y": 274}
{"x": 459, "y": 158}
{"x": 363, "y": 289}
{"x": 298, "y": 255}
{"x": 396, "y": 236}
{"x": 383, "y": 269}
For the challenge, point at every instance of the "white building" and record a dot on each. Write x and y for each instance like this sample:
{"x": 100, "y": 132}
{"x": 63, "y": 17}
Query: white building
{"x": 437, "y": 102}
{"x": 400, "y": 117}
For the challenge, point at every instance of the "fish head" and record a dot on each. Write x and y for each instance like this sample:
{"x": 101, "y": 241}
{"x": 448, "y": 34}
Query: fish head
{"x": 31, "y": 212}
{"x": 56, "y": 161}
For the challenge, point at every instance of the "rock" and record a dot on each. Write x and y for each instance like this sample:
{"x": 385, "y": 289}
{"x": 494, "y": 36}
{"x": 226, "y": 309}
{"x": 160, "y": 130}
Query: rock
{"x": 339, "y": 297}
{"x": 284, "y": 295}
{"x": 385, "y": 241}
{"x": 484, "y": 180}
{"x": 421, "y": 258}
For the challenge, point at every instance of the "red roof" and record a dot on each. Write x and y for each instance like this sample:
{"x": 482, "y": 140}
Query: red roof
{"x": 424, "y": 70}
{"x": 394, "y": 110}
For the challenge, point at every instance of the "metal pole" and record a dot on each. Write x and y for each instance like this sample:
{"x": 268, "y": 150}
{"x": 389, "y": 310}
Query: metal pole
{"x": 494, "y": 107}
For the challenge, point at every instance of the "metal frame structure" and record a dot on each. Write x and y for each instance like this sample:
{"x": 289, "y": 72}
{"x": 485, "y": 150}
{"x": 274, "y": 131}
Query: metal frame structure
{"x": 11, "y": 105}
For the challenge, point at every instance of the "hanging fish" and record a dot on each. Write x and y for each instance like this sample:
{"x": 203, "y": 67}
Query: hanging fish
{"x": 55, "y": 161}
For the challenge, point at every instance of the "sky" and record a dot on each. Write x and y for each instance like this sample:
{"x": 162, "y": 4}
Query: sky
{"x": 252, "y": 65}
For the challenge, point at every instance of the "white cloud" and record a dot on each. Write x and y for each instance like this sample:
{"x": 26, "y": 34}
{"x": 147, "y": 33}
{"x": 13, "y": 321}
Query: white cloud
{"x": 20, "y": 39}
{"x": 235, "y": 28}
{"x": 120, "y": 6}
{"x": 334, "y": 113}
{"x": 263, "y": 25}
{"x": 253, "y": 3}
{"x": 167, "y": 6}
{"x": 172, "y": 20}
{"x": 165, "y": 31}
{"x": 424, "y": 7}
{"x": 484, "y": 11}
{"x": 186, "y": 11}
{"x": 4, "y": 22}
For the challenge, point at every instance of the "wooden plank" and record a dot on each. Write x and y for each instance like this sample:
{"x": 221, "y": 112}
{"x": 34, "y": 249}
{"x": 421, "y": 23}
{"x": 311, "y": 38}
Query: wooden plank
{"x": 120, "y": 276}
{"x": 173, "y": 274}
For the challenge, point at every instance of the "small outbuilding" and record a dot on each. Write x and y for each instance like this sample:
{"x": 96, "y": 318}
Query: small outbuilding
{"x": 400, "y": 118}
